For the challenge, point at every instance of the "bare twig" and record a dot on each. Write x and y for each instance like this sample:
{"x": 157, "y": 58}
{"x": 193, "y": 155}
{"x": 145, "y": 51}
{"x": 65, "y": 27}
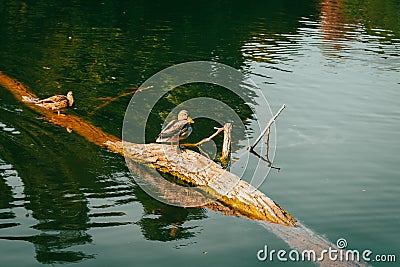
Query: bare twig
{"x": 112, "y": 99}
{"x": 267, "y": 144}
{"x": 250, "y": 148}
{"x": 269, "y": 164}
{"x": 205, "y": 139}
{"x": 226, "y": 146}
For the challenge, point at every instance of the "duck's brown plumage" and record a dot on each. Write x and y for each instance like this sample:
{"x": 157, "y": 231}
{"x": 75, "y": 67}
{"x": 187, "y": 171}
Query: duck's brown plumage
{"x": 56, "y": 102}
{"x": 176, "y": 130}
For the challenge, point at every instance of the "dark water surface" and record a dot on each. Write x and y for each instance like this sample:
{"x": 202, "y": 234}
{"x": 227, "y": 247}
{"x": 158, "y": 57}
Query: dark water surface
{"x": 335, "y": 64}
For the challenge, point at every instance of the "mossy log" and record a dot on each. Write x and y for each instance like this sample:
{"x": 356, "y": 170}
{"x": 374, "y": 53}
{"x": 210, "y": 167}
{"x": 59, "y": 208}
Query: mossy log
{"x": 241, "y": 198}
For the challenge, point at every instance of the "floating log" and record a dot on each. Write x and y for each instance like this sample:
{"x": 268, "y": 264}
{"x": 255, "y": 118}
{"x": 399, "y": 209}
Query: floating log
{"x": 243, "y": 199}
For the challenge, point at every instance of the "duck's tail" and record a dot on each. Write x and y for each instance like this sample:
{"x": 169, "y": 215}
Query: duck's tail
{"x": 161, "y": 140}
{"x": 30, "y": 99}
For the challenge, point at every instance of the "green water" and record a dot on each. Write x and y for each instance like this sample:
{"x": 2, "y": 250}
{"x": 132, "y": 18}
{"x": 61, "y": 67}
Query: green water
{"x": 335, "y": 64}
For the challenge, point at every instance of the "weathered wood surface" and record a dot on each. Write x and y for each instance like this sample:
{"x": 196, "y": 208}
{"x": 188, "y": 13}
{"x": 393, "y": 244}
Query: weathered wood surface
{"x": 189, "y": 166}
{"x": 201, "y": 171}
{"x": 226, "y": 145}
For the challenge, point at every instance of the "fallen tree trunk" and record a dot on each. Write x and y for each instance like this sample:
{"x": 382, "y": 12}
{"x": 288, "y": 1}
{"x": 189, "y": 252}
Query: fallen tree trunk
{"x": 241, "y": 198}
{"x": 214, "y": 180}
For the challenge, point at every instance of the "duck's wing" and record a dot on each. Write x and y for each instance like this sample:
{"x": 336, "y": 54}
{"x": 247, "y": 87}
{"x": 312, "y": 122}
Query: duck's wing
{"x": 172, "y": 131}
{"x": 185, "y": 132}
{"x": 53, "y": 99}
{"x": 60, "y": 104}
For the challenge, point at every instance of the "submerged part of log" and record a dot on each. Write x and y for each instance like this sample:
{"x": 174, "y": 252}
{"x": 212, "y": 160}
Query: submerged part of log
{"x": 313, "y": 246}
{"x": 209, "y": 177}
{"x": 109, "y": 100}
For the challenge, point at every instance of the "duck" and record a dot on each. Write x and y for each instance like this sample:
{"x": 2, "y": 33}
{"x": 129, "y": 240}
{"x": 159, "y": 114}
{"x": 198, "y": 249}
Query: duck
{"x": 55, "y": 102}
{"x": 176, "y": 130}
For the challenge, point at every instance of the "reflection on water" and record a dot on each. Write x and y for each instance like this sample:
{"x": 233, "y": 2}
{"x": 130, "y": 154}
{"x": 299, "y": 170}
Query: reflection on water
{"x": 335, "y": 63}
{"x": 53, "y": 237}
{"x": 166, "y": 224}
{"x": 54, "y": 206}
{"x": 58, "y": 217}
{"x": 341, "y": 29}
{"x": 337, "y": 34}
{"x": 334, "y": 28}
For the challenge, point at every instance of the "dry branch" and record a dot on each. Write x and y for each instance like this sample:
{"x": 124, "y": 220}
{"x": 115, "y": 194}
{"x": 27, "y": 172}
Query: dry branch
{"x": 266, "y": 128}
{"x": 226, "y": 145}
{"x": 109, "y": 100}
{"x": 208, "y": 139}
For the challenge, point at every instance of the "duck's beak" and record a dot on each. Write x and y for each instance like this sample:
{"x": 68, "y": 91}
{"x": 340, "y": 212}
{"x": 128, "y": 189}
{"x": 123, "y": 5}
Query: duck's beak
{"x": 190, "y": 120}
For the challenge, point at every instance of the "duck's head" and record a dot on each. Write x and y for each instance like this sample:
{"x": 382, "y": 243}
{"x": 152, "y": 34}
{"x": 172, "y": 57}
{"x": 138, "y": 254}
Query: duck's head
{"x": 183, "y": 115}
{"x": 70, "y": 98}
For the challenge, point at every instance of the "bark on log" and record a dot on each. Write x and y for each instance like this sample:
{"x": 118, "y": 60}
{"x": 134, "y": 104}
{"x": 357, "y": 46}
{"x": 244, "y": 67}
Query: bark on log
{"x": 227, "y": 187}
{"x": 243, "y": 199}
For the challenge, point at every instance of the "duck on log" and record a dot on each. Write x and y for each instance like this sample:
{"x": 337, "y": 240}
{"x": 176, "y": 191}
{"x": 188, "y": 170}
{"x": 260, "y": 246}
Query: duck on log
{"x": 241, "y": 200}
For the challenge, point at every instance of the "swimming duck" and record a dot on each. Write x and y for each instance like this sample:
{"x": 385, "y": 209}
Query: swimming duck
{"x": 176, "y": 130}
{"x": 56, "y": 102}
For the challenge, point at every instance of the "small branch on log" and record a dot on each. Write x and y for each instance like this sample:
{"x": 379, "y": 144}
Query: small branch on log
{"x": 205, "y": 139}
{"x": 211, "y": 136}
{"x": 227, "y": 143}
{"x": 226, "y": 146}
{"x": 112, "y": 99}
{"x": 250, "y": 148}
